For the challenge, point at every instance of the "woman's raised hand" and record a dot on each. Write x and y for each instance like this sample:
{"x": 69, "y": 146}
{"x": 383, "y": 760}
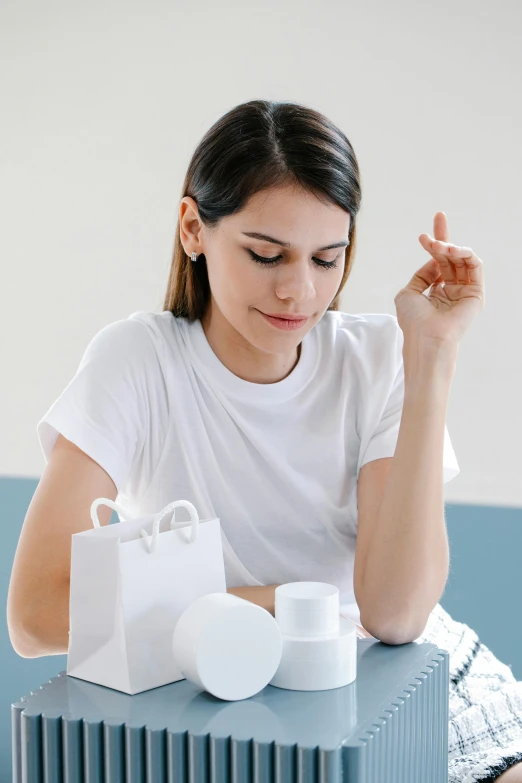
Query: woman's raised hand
{"x": 445, "y": 294}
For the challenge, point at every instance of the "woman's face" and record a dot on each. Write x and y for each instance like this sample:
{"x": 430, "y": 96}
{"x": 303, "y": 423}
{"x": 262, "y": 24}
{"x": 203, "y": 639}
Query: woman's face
{"x": 302, "y": 280}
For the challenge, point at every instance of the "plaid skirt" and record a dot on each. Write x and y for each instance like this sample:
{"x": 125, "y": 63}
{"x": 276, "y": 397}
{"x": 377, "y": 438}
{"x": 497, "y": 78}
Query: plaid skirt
{"x": 485, "y": 703}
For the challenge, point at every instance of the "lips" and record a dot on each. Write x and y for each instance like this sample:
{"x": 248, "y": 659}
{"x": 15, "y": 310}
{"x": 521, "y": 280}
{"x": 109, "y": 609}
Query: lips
{"x": 287, "y": 317}
{"x": 284, "y": 323}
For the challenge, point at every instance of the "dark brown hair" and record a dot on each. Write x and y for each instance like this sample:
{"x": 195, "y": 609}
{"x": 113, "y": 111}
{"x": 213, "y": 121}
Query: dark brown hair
{"x": 254, "y": 146}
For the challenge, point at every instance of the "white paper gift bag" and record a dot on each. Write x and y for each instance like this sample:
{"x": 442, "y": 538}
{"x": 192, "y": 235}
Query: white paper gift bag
{"x": 130, "y": 583}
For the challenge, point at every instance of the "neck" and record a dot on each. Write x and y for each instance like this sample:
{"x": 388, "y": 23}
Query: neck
{"x": 241, "y": 357}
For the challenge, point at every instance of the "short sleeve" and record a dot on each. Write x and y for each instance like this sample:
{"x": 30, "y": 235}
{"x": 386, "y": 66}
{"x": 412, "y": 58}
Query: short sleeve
{"x": 103, "y": 409}
{"x": 381, "y": 439}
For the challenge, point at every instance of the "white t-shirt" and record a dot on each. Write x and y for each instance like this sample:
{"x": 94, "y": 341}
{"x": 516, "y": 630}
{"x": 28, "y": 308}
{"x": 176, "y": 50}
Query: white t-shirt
{"x": 277, "y": 463}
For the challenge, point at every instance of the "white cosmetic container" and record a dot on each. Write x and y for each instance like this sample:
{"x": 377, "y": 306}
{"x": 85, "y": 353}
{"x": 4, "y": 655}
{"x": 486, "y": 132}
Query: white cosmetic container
{"x": 319, "y": 644}
{"x": 228, "y": 646}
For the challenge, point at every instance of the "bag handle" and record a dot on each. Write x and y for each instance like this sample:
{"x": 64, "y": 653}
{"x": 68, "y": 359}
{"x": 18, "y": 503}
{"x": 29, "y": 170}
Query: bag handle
{"x": 152, "y": 540}
{"x": 122, "y": 512}
{"x": 194, "y": 519}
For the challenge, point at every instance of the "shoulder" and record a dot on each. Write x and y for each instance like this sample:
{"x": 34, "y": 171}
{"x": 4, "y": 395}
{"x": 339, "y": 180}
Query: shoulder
{"x": 133, "y": 343}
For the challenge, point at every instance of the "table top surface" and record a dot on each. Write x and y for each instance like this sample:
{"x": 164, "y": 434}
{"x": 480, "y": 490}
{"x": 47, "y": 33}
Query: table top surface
{"x": 325, "y": 718}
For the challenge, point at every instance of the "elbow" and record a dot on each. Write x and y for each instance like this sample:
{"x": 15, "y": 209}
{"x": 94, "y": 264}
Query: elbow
{"x": 27, "y": 651}
{"x": 393, "y": 634}
{"x": 30, "y": 627}
{"x": 398, "y": 638}
{"x": 25, "y": 638}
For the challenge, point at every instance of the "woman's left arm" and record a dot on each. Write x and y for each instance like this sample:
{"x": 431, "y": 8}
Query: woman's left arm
{"x": 407, "y": 561}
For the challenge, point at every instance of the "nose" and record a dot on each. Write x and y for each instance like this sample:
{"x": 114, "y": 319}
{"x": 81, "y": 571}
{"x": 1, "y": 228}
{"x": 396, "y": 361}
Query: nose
{"x": 295, "y": 283}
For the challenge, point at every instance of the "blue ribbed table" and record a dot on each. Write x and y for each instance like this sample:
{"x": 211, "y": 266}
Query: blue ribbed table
{"x": 389, "y": 726}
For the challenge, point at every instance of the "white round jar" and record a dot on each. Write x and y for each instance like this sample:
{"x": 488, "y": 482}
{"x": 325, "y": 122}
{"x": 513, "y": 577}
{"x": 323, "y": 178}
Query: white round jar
{"x": 228, "y": 646}
{"x": 319, "y": 644}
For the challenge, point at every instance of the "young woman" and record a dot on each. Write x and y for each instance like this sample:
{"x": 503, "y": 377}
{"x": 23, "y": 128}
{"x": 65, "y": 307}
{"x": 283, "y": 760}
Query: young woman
{"x": 317, "y": 437}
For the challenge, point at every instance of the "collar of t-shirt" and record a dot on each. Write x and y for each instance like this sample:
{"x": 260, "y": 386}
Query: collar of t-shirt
{"x": 216, "y": 372}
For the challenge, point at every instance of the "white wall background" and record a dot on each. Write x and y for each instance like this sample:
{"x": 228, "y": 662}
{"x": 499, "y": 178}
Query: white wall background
{"x": 102, "y": 104}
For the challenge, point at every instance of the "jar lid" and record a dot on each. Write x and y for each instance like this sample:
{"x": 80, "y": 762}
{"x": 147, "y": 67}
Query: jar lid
{"x": 307, "y": 596}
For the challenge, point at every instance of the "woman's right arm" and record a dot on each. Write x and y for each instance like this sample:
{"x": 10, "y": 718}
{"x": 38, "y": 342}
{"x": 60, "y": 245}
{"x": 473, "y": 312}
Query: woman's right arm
{"x": 38, "y": 598}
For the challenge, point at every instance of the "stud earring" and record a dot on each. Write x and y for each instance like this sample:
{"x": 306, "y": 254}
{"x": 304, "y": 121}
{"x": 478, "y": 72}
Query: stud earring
{"x": 194, "y": 256}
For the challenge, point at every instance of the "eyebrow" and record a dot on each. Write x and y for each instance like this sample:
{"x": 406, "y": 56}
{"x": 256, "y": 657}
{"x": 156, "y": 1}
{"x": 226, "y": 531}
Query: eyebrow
{"x": 256, "y": 235}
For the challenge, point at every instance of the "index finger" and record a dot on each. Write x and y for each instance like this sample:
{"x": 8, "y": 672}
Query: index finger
{"x": 440, "y": 227}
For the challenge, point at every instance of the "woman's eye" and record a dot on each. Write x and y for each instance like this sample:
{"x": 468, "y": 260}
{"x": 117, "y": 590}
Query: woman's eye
{"x": 262, "y": 259}
{"x": 275, "y": 259}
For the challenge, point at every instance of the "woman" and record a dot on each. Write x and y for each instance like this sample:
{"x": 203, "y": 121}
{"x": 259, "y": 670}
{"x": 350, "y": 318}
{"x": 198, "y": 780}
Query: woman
{"x": 317, "y": 437}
